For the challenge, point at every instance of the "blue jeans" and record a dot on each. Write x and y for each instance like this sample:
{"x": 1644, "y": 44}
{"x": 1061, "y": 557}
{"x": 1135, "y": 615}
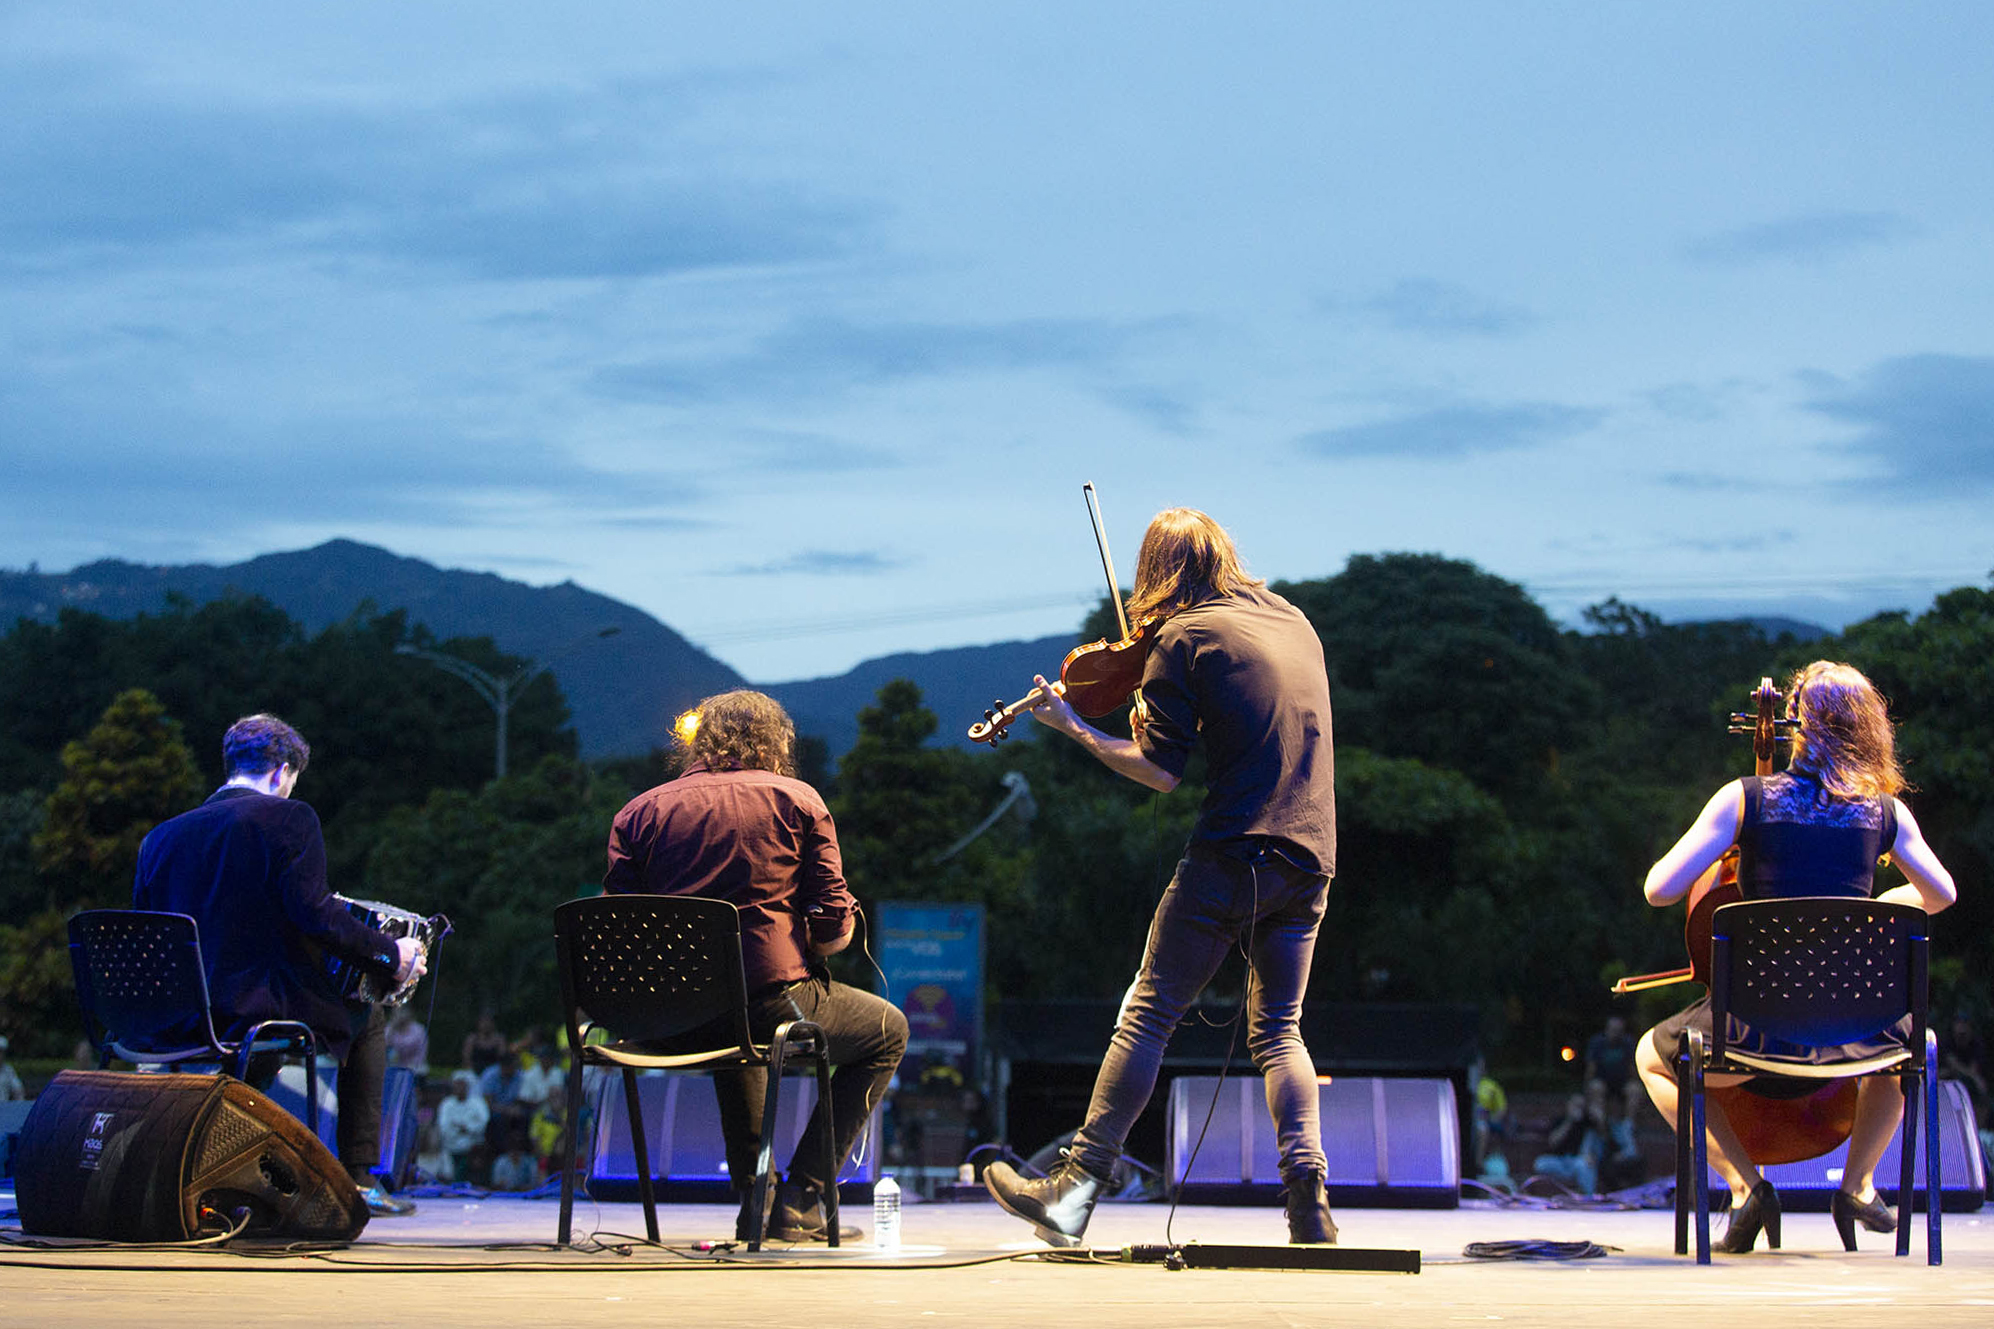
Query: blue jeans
{"x": 1213, "y": 902}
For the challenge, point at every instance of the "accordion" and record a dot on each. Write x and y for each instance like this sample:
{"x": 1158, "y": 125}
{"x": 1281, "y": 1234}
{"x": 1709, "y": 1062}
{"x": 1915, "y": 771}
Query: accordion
{"x": 359, "y": 984}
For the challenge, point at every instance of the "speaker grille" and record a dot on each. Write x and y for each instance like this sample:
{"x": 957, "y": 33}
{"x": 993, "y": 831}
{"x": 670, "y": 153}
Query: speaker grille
{"x": 231, "y": 1132}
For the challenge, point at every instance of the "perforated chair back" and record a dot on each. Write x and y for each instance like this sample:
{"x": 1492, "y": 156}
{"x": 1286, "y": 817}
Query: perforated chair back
{"x": 1818, "y": 971}
{"x": 647, "y": 969}
{"x": 650, "y": 967}
{"x": 140, "y": 980}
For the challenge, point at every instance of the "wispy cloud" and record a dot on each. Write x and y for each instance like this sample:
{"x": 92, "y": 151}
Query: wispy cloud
{"x": 826, "y": 355}
{"x": 1808, "y": 238}
{"x": 1459, "y": 430}
{"x": 149, "y": 461}
{"x": 1926, "y": 421}
{"x": 820, "y": 563}
{"x": 1442, "y": 309}
{"x": 588, "y": 182}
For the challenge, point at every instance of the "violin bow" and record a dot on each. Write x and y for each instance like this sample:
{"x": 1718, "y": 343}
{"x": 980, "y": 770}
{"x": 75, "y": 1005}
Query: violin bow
{"x": 1107, "y": 559}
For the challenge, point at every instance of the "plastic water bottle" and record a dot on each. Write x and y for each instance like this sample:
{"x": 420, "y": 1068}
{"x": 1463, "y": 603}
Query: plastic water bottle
{"x": 886, "y": 1214}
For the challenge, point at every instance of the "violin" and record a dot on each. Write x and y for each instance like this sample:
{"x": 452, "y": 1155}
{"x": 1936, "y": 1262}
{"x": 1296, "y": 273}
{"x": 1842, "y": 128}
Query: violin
{"x": 1095, "y": 679}
{"x": 1771, "y": 1130}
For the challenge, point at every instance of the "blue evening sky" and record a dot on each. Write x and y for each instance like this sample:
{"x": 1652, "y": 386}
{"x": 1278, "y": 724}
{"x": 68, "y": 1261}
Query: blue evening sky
{"x": 801, "y": 325}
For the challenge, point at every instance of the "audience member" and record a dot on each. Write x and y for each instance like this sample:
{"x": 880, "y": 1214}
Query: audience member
{"x": 461, "y": 1120}
{"x": 1610, "y": 1057}
{"x": 1491, "y": 1123}
{"x": 1577, "y": 1142}
{"x": 408, "y": 1043}
{"x": 546, "y": 1127}
{"x": 484, "y": 1045}
{"x": 11, "y": 1088}
{"x": 432, "y": 1160}
{"x": 516, "y": 1169}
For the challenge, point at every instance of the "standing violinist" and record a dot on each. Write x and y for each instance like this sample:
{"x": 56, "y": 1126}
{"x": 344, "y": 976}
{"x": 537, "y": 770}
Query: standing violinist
{"x": 1236, "y": 668}
{"x": 1818, "y": 828}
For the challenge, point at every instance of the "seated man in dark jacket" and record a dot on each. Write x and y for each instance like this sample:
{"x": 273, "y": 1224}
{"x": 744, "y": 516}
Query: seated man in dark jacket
{"x": 249, "y": 866}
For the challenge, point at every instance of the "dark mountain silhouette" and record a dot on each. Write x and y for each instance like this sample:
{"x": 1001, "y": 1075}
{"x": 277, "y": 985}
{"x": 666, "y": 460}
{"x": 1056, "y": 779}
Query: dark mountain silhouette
{"x": 623, "y": 690}
{"x": 957, "y": 684}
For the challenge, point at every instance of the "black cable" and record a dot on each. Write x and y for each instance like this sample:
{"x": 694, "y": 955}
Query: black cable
{"x": 1536, "y": 1248}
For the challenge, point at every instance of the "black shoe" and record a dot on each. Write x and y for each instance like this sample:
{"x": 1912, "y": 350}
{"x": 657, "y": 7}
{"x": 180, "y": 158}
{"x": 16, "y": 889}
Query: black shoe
{"x": 1848, "y": 1211}
{"x": 1309, "y": 1222}
{"x": 1057, "y": 1206}
{"x": 797, "y": 1214}
{"x": 1760, "y": 1210}
{"x": 382, "y": 1204}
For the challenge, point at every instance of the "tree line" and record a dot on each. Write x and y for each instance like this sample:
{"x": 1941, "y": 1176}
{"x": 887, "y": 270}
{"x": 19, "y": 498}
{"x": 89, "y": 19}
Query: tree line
{"x": 1502, "y": 786}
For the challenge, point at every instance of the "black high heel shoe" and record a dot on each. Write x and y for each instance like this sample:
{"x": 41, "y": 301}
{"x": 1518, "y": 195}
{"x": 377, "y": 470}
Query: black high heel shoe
{"x": 1760, "y": 1210}
{"x": 1848, "y": 1211}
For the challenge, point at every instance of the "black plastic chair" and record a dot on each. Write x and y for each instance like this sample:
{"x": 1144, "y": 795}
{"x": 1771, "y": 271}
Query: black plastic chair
{"x": 1821, "y": 972}
{"x": 144, "y": 993}
{"x": 647, "y": 970}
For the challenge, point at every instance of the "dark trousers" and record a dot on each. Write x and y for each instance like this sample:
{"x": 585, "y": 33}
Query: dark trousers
{"x": 867, "y": 1035}
{"x": 363, "y": 1077}
{"x": 361, "y": 1082}
{"x": 1213, "y": 903}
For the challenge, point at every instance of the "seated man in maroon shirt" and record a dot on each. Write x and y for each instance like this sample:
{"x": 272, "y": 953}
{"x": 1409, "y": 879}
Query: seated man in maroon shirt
{"x": 738, "y": 826}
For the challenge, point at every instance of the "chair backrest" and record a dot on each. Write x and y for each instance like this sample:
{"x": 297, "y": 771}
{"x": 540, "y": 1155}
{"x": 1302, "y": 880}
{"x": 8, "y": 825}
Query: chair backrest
{"x": 1819, "y": 971}
{"x": 650, "y": 967}
{"x": 140, "y": 980}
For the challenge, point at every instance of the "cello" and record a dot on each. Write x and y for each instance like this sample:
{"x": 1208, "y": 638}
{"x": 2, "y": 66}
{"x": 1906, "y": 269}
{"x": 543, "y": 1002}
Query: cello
{"x": 1772, "y": 1130}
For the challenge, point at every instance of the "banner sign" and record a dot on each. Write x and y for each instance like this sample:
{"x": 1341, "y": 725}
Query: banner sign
{"x": 932, "y": 955}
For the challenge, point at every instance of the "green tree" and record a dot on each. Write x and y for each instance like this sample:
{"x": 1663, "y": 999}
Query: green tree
{"x": 901, "y": 805}
{"x": 497, "y": 862}
{"x": 1937, "y": 670}
{"x": 131, "y": 772}
{"x": 1434, "y": 659}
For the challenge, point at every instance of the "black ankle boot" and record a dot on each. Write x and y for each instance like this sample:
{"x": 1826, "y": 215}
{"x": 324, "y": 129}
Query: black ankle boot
{"x": 1848, "y": 1211}
{"x": 1760, "y": 1210}
{"x": 1309, "y": 1222}
{"x": 798, "y": 1215}
{"x": 1057, "y": 1206}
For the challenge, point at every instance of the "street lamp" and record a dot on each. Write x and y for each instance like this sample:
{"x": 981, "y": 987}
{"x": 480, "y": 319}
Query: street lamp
{"x": 500, "y": 693}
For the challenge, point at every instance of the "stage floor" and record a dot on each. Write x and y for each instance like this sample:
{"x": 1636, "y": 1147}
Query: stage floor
{"x": 491, "y": 1261}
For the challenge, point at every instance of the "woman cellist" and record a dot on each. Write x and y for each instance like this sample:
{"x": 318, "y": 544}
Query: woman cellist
{"x": 1816, "y": 829}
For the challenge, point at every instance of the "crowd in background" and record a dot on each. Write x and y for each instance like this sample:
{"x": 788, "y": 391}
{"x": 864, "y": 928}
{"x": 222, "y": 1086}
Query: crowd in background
{"x": 496, "y": 1122}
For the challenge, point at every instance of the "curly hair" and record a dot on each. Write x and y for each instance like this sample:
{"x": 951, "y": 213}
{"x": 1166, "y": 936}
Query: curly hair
{"x": 1845, "y": 739}
{"x": 258, "y": 744}
{"x": 740, "y": 730}
{"x": 1185, "y": 557}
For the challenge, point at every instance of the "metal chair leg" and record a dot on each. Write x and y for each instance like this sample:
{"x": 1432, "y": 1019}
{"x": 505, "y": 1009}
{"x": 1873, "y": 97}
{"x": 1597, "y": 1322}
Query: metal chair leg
{"x": 1934, "y": 1187}
{"x": 830, "y": 1134}
{"x": 570, "y": 1162}
{"x": 1685, "y": 1182}
{"x": 634, "y": 1104}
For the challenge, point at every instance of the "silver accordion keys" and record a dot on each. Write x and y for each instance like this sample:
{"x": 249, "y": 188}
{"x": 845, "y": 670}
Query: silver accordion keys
{"x": 362, "y": 985}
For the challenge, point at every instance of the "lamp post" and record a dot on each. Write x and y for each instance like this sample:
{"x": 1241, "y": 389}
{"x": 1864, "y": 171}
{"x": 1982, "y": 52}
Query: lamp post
{"x": 500, "y": 693}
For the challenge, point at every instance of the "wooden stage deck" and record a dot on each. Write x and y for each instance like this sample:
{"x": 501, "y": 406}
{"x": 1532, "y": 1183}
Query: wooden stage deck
{"x": 490, "y": 1262}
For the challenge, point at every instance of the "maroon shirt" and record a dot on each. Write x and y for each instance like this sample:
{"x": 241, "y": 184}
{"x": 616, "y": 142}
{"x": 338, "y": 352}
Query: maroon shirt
{"x": 761, "y": 841}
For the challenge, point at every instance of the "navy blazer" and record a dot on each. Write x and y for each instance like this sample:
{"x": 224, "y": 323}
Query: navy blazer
{"x": 250, "y": 868}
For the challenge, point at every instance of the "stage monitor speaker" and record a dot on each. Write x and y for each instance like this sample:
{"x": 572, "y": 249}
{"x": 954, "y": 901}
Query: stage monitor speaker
{"x": 682, "y": 1133}
{"x": 1962, "y": 1176}
{"x": 1387, "y": 1140}
{"x": 125, "y": 1157}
